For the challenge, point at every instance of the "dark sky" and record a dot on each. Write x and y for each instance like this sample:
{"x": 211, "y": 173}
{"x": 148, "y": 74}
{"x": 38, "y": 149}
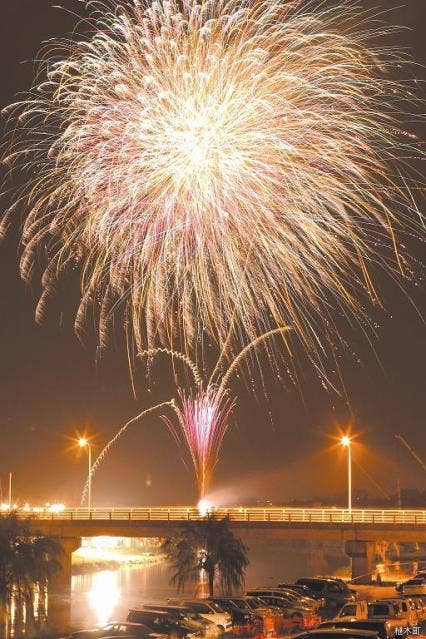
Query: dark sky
{"x": 50, "y": 386}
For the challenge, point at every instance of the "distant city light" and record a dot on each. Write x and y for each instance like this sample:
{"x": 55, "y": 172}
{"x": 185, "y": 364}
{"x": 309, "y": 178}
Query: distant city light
{"x": 56, "y": 508}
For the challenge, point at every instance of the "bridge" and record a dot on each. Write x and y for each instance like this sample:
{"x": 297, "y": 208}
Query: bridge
{"x": 359, "y": 529}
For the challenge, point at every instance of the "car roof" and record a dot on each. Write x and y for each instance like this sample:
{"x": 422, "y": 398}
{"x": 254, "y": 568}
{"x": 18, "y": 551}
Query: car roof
{"x": 327, "y": 579}
{"x": 161, "y": 605}
{"x": 375, "y": 620}
{"x": 337, "y": 631}
{"x": 133, "y": 624}
{"x": 153, "y": 611}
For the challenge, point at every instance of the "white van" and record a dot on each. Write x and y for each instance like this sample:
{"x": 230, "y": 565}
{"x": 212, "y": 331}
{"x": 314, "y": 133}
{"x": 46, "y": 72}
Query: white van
{"x": 208, "y": 610}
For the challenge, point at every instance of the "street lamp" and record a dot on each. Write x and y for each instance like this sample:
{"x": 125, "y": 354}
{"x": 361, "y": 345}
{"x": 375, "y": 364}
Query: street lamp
{"x": 84, "y": 443}
{"x": 346, "y": 442}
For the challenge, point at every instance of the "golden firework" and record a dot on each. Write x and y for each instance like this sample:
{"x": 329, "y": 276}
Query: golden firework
{"x": 224, "y": 166}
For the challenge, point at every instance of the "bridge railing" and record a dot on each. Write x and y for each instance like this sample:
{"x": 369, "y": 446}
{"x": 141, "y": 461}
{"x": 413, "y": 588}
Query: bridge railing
{"x": 272, "y": 514}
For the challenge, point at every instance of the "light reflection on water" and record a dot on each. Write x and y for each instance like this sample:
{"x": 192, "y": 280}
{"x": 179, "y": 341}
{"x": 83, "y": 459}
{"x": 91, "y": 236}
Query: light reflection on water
{"x": 104, "y": 595}
{"x": 108, "y": 594}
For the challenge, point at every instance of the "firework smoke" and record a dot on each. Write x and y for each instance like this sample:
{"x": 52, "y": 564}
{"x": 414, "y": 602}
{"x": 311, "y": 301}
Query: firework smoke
{"x": 224, "y": 166}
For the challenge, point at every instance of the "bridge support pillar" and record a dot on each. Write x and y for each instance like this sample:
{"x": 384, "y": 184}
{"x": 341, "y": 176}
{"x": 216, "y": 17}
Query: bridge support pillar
{"x": 59, "y": 605}
{"x": 362, "y": 554}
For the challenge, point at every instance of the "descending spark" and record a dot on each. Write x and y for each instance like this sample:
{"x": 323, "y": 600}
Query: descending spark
{"x": 152, "y": 352}
{"x": 228, "y": 165}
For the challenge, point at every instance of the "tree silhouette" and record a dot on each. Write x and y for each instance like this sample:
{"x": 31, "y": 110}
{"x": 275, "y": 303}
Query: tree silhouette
{"x": 207, "y": 545}
{"x": 28, "y": 560}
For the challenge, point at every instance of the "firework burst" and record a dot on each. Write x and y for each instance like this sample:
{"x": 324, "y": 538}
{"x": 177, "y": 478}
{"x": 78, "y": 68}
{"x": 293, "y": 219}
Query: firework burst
{"x": 203, "y": 421}
{"x": 202, "y": 415}
{"x": 222, "y": 166}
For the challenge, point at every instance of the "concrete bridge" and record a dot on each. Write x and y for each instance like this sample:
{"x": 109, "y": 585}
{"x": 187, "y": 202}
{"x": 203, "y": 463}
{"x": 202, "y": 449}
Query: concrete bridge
{"x": 359, "y": 529}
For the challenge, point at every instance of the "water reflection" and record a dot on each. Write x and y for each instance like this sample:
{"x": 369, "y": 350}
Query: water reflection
{"x": 101, "y": 596}
{"x": 104, "y": 595}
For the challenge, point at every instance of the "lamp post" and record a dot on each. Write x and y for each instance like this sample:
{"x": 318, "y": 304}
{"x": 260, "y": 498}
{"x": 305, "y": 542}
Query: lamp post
{"x": 10, "y": 493}
{"x": 84, "y": 443}
{"x": 346, "y": 442}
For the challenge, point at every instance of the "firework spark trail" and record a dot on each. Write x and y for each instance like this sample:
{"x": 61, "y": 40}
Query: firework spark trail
{"x": 202, "y": 162}
{"x": 152, "y": 352}
{"x": 120, "y": 433}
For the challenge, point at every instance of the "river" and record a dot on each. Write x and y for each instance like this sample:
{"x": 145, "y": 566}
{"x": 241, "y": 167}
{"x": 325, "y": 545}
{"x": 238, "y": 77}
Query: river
{"x": 103, "y": 595}
{"x": 108, "y": 594}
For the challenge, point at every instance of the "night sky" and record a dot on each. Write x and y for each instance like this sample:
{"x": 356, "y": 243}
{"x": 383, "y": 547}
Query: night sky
{"x": 51, "y": 387}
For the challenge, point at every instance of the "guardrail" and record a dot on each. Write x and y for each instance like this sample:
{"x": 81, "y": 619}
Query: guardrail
{"x": 273, "y": 514}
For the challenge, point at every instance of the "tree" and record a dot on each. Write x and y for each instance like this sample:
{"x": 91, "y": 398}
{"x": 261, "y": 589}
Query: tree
{"x": 208, "y": 545}
{"x": 28, "y": 560}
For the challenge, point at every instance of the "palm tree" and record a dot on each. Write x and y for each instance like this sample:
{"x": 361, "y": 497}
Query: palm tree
{"x": 207, "y": 545}
{"x": 28, "y": 560}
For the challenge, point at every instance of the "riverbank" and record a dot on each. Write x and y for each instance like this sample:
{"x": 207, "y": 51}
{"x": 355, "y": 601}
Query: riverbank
{"x": 87, "y": 564}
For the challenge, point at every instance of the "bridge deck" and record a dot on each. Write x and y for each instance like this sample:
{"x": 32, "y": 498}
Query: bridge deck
{"x": 273, "y": 514}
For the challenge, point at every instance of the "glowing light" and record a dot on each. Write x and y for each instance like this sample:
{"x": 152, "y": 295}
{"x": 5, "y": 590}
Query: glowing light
{"x": 204, "y": 507}
{"x": 215, "y": 166}
{"x": 104, "y": 595}
{"x": 56, "y": 508}
{"x": 345, "y": 440}
{"x": 4, "y": 507}
{"x": 82, "y": 442}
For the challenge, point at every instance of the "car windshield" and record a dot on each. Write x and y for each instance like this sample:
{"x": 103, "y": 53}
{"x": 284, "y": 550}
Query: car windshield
{"x": 316, "y": 586}
{"x": 380, "y": 610}
{"x": 334, "y": 635}
{"x": 192, "y": 615}
{"x": 414, "y": 582}
{"x": 289, "y": 595}
{"x": 217, "y": 607}
{"x": 200, "y": 607}
{"x": 348, "y": 611}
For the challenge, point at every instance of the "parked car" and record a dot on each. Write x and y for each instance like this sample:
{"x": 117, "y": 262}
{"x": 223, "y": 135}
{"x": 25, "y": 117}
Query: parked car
{"x": 383, "y": 629}
{"x": 291, "y": 597}
{"x": 163, "y": 622}
{"x": 273, "y": 617}
{"x": 207, "y": 610}
{"x": 304, "y": 599}
{"x": 354, "y": 610}
{"x": 241, "y": 614}
{"x": 186, "y": 616}
{"x": 338, "y": 633}
{"x": 420, "y": 604}
{"x": 421, "y": 573}
{"x": 415, "y": 586}
{"x": 303, "y": 591}
{"x": 293, "y": 615}
{"x": 389, "y": 612}
{"x": 334, "y": 591}
{"x": 120, "y": 629}
{"x": 407, "y": 609}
